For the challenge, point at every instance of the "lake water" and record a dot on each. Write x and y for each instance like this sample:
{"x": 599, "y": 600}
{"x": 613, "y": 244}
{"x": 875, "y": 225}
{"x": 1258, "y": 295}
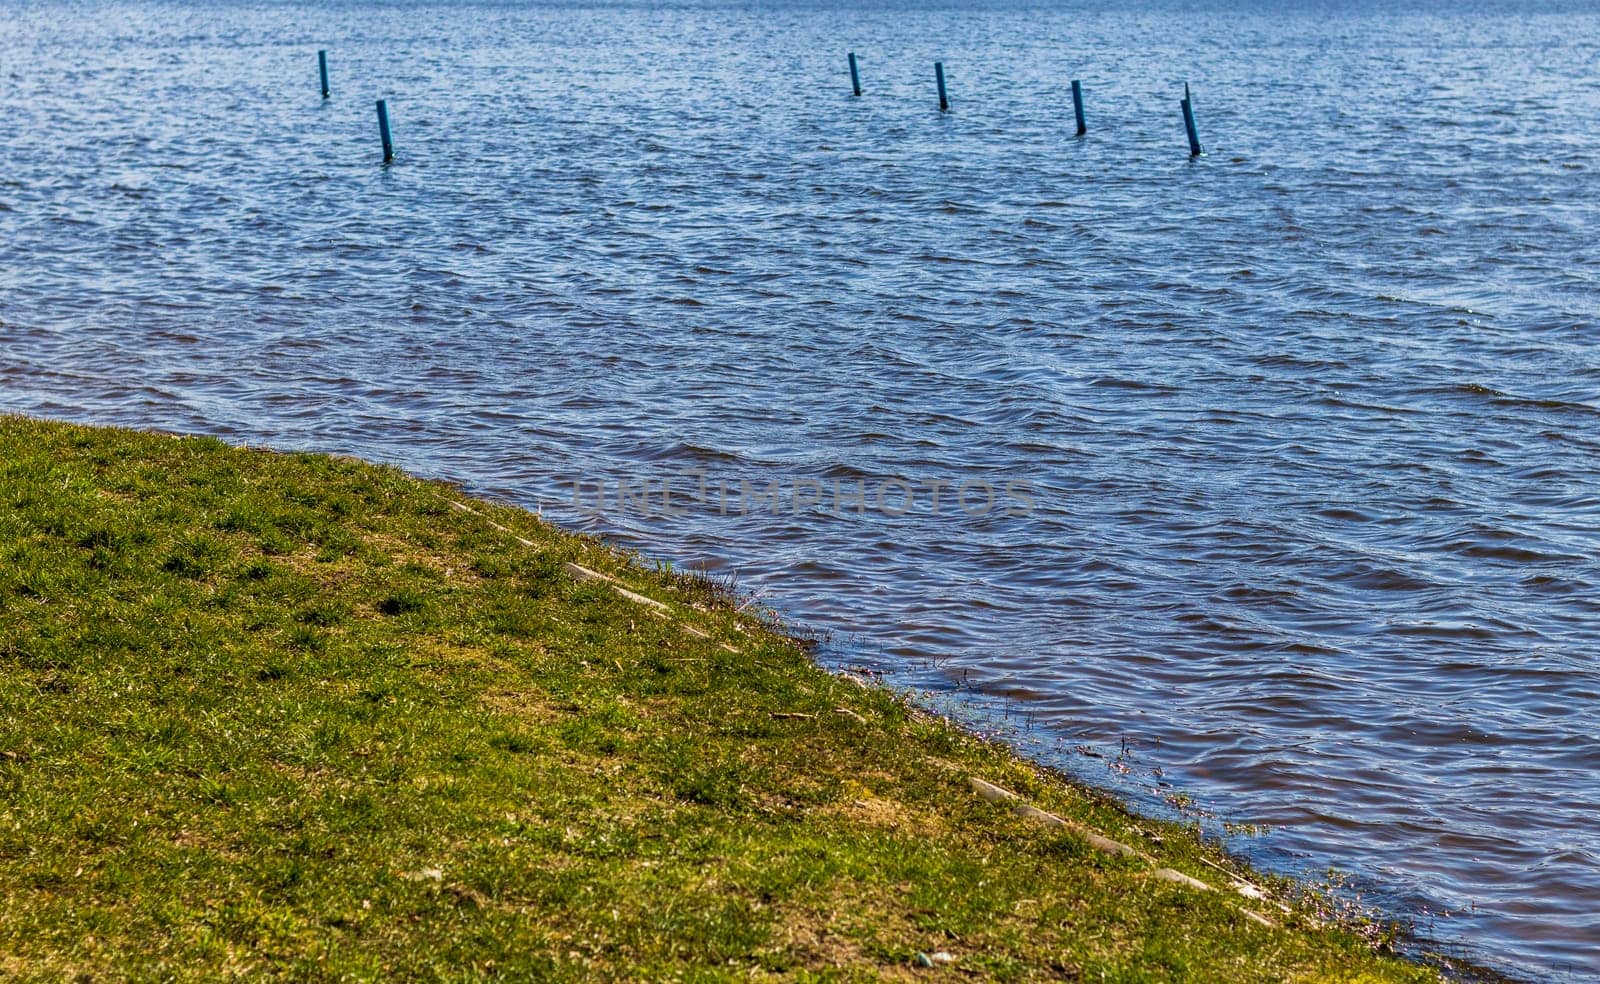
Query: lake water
{"x": 1303, "y": 433}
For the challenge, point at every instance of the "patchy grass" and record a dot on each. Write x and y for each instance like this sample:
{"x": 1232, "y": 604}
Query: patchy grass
{"x": 293, "y": 716}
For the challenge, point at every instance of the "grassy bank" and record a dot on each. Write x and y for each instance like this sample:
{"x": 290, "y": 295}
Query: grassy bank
{"x": 288, "y": 715}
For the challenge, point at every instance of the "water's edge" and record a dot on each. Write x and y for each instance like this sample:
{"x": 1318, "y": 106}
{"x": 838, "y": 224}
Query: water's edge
{"x": 988, "y": 719}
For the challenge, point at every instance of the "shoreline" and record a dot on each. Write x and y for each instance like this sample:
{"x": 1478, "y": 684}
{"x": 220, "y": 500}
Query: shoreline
{"x": 737, "y": 736}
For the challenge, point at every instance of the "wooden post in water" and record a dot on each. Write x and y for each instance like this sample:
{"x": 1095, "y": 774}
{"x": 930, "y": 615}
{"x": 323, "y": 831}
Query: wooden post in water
{"x": 1189, "y": 125}
{"x": 855, "y": 75}
{"x": 938, "y": 75}
{"x": 383, "y": 131}
{"x": 322, "y": 70}
{"x": 1077, "y": 106}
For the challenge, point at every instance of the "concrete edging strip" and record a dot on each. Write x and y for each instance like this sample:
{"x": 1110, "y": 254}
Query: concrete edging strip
{"x": 1001, "y": 796}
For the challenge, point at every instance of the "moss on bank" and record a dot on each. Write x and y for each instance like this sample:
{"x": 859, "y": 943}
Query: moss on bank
{"x": 287, "y": 715}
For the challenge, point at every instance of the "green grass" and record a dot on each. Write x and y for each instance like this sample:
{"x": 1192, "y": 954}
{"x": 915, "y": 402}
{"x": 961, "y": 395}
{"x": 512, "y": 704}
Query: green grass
{"x": 293, "y": 716}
